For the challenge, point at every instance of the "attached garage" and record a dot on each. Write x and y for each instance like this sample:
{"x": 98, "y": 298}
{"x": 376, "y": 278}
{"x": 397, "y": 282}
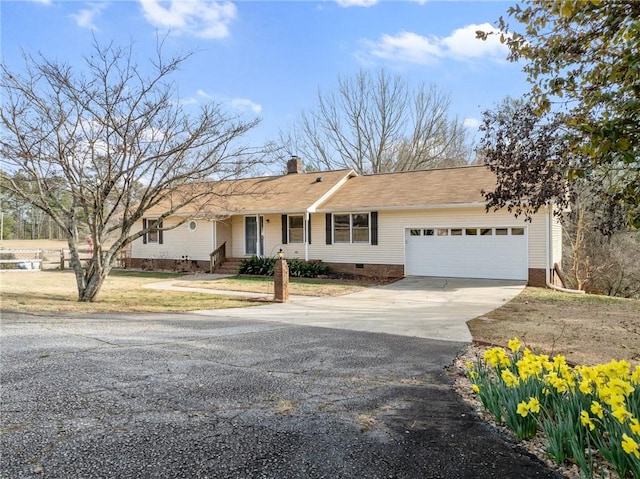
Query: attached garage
{"x": 464, "y": 252}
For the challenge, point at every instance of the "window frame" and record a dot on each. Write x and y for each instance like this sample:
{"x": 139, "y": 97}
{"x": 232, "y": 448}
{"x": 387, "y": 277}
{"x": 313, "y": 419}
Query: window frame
{"x": 301, "y": 228}
{"x": 351, "y": 227}
{"x": 154, "y": 231}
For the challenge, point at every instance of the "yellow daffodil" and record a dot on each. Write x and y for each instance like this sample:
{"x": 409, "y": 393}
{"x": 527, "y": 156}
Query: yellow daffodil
{"x": 534, "y": 405}
{"x": 596, "y": 408}
{"x": 510, "y": 379}
{"x": 514, "y": 345}
{"x": 475, "y": 388}
{"x": 523, "y": 409}
{"x": 586, "y": 420}
{"x": 634, "y": 424}
{"x": 621, "y": 414}
{"x": 585, "y": 386}
{"x": 630, "y": 446}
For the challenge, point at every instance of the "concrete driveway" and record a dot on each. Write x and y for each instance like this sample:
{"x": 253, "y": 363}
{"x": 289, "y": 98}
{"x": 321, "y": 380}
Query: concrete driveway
{"x": 423, "y": 307}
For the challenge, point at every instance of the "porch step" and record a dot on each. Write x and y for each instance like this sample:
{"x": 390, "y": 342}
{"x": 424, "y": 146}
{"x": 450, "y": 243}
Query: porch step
{"x": 229, "y": 266}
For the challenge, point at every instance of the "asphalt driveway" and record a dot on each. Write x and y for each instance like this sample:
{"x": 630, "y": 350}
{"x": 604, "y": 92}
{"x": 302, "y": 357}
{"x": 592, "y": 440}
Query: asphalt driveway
{"x": 423, "y": 307}
{"x": 186, "y": 396}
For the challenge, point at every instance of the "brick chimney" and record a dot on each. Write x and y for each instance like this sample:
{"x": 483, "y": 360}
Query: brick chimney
{"x": 294, "y": 165}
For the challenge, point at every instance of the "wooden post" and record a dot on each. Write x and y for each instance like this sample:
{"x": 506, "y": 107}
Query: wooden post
{"x": 281, "y": 281}
{"x": 62, "y": 259}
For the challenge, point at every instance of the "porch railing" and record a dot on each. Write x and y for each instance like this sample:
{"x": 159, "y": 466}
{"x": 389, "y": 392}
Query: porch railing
{"x": 217, "y": 257}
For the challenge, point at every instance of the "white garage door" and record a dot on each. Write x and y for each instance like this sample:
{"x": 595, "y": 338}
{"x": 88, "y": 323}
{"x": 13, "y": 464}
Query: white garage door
{"x": 494, "y": 253}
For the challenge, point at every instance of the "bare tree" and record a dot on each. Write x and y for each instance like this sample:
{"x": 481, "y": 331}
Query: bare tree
{"x": 98, "y": 148}
{"x": 374, "y": 123}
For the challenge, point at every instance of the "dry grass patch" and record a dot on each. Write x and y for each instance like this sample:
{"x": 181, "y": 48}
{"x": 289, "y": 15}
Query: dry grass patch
{"x": 301, "y": 287}
{"x": 34, "y": 244}
{"x": 587, "y": 329}
{"x": 122, "y": 292}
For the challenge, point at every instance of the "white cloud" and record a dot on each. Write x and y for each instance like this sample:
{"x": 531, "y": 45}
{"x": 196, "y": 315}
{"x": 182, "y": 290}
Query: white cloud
{"x": 356, "y": 3}
{"x": 85, "y": 17}
{"x": 471, "y": 123}
{"x": 201, "y": 18}
{"x": 238, "y": 104}
{"x": 204, "y": 94}
{"x": 461, "y": 44}
{"x": 244, "y": 104}
{"x": 406, "y": 47}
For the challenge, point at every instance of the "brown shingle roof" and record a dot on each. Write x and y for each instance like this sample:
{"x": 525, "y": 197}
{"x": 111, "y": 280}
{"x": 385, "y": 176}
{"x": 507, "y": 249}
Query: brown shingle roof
{"x": 268, "y": 194}
{"x": 413, "y": 189}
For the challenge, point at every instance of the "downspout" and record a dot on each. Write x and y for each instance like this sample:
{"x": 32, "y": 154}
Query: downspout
{"x": 549, "y": 248}
{"x": 306, "y": 240}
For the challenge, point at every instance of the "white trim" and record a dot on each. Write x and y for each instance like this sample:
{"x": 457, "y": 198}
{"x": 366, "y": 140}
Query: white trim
{"x": 307, "y": 238}
{"x": 214, "y": 235}
{"x": 314, "y": 206}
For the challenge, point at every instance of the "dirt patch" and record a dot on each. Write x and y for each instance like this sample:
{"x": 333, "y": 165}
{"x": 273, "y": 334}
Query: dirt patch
{"x": 587, "y": 329}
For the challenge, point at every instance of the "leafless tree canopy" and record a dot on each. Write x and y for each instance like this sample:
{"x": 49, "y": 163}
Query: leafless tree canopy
{"x": 97, "y": 148}
{"x": 376, "y": 123}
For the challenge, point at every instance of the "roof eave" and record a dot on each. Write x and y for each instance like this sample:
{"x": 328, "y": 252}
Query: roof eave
{"x": 404, "y": 207}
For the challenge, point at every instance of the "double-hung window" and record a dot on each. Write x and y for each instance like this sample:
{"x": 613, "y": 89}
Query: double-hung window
{"x": 351, "y": 228}
{"x": 296, "y": 229}
{"x": 154, "y": 232}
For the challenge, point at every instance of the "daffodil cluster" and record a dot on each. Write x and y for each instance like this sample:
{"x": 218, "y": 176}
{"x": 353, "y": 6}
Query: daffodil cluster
{"x": 580, "y": 410}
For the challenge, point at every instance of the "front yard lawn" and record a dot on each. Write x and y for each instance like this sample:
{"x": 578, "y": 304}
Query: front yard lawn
{"x": 55, "y": 291}
{"x": 297, "y": 286}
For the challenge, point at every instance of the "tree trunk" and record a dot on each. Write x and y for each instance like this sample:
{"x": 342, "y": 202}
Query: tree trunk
{"x": 93, "y": 285}
{"x": 89, "y": 276}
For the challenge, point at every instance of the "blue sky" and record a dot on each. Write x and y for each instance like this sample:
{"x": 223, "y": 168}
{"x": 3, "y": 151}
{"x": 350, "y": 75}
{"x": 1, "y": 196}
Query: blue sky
{"x": 268, "y": 59}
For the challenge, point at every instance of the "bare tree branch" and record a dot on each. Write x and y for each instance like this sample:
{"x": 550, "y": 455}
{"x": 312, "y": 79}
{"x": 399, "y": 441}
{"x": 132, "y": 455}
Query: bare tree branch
{"x": 98, "y": 148}
{"x": 375, "y": 123}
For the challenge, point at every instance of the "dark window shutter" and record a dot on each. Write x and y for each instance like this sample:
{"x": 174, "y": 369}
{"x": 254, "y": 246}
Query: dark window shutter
{"x": 144, "y": 227}
{"x": 159, "y": 224}
{"x": 374, "y": 227}
{"x": 309, "y": 230}
{"x": 285, "y": 228}
{"x": 328, "y": 228}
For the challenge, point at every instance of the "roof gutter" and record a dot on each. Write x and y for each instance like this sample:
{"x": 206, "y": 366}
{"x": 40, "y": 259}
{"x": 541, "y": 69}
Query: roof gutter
{"x": 393, "y": 208}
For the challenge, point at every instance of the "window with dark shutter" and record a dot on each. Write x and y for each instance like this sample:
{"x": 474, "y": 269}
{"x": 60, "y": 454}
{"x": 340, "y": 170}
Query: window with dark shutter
{"x": 329, "y": 228}
{"x": 296, "y": 229}
{"x": 154, "y": 233}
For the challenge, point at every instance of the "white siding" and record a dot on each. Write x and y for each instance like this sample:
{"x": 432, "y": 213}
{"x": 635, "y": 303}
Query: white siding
{"x": 391, "y": 234}
{"x": 272, "y": 238}
{"x": 223, "y": 233}
{"x": 178, "y": 242}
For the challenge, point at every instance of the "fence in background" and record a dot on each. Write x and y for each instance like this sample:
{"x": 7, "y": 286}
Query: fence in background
{"x": 39, "y": 259}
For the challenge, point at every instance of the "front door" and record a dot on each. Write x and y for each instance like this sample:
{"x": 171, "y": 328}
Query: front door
{"x": 253, "y": 235}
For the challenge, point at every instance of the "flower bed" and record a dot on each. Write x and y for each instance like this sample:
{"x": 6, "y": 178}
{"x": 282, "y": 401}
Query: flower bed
{"x": 585, "y": 414}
